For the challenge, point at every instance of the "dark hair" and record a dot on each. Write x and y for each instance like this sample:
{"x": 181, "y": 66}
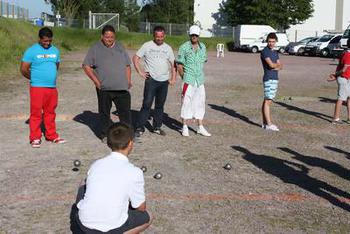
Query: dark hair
{"x": 108, "y": 28}
{"x": 272, "y": 36}
{"x": 45, "y": 32}
{"x": 348, "y": 43}
{"x": 158, "y": 28}
{"x": 119, "y": 136}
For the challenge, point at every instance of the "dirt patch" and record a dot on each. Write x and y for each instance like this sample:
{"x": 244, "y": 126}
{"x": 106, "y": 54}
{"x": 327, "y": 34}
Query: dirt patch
{"x": 293, "y": 181}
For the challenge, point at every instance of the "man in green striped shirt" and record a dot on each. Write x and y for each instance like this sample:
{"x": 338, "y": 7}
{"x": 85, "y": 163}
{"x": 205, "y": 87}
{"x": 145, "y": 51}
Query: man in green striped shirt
{"x": 190, "y": 62}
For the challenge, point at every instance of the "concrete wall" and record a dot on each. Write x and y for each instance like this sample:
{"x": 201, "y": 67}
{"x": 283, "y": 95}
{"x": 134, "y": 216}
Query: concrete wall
{"x": 324, "y": 18}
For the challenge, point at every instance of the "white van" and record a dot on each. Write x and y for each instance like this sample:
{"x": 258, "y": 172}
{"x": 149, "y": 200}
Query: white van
{"x": 247, "y": 34}
{"x": 345, "y": 37}
{"x": 317, "y": 47}
{"x": 260, "y": 43}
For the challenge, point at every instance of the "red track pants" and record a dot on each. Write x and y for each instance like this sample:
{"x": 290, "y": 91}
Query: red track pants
{"x": 43, "y": 102}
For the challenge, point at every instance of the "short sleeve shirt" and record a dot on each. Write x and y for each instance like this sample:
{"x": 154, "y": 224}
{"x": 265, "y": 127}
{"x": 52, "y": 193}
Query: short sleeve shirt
{"x": 193, "y": 62}
{"x": 43, "y": 65}
{"x": 157, "y": 59}
{"x": 269, "y": 73}
{"x": 110, "y": 65}
{"x": 345, "y": 60}
{"x": 112, "y": 183}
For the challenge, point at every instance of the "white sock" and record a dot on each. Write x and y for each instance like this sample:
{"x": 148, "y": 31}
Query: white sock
{"x": 184, "y": 126}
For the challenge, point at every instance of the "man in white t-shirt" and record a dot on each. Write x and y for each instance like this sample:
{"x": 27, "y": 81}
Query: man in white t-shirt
{"x": 159, "y": 71}
{"x": 112, "y": 184}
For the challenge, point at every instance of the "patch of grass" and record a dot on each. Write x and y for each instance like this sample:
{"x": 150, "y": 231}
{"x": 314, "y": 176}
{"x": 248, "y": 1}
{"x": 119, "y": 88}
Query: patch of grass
{"x": 16, "y": 36}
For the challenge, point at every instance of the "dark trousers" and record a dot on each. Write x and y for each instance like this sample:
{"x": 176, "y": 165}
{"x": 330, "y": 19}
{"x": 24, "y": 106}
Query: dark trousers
{"x": 122, "y": 101}
{"x": 157, "y": 90}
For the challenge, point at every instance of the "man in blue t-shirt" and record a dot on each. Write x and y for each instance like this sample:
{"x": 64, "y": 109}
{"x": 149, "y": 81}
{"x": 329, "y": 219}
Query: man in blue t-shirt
{"x": 271, "y": 64}
{"x": 39, "y": 65}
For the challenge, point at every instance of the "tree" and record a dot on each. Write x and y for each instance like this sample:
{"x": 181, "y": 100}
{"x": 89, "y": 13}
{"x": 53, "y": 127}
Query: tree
{"x": 168, "y": 11}
{"x": 70, "y": 9}
{"x": 67, "y": 8}
{"x": 277, "y": 13}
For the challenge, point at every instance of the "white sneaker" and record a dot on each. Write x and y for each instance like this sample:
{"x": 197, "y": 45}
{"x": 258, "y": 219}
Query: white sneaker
{"x": 272, "y": 127}
{"x": 185, "y": 131}
{"x": 201, "y": 130}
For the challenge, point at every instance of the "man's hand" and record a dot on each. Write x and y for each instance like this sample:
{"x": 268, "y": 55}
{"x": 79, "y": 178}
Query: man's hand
{"x": 25, "y": 70}
{"x": 97, "y": 84}
{"x": 172, "y": 81}
{"x": 129, "y": 85}
{"x": 331, "y": 77}
{"x": 145, "y": 75}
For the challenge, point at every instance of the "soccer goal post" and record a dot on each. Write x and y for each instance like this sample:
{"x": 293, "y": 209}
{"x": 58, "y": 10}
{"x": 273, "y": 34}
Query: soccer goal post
{"x": 98, "y": 20}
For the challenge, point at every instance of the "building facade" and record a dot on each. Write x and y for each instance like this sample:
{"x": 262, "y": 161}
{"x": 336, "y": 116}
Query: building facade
{"x": 329, "y": 15}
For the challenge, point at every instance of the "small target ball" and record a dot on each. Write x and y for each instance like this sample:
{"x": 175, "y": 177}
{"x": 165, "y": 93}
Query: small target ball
{"x": 158, "y": 176}
{"x": 77, "y": 163}
{"x": 144, "y": 169}
{"x": 228, "y": 166}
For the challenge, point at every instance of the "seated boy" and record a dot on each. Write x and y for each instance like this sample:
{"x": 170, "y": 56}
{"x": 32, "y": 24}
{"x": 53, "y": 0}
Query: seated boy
{"x": 112, "y": 183}
{"x": 342, "y": 75}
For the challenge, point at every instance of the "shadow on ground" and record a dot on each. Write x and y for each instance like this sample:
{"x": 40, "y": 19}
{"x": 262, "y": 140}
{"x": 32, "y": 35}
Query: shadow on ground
{"x": 347, "y": 154}
{"x": 330, "y": 166}
{"x": 307, "y": 112}
{"x": 233, "y": 113}
{"x": 329, "y": 100}
{"x": 92, "y": 120}
{"x": 285, "y": 171}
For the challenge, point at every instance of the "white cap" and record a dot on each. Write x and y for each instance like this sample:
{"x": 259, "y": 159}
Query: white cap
{"x": 194, "y": 29}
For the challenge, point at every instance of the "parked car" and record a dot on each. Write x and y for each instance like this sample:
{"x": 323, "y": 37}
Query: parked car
{"x": 260, "y": 43}
{"x": 247, "y": 34}
{"x": 298, "y": 48}
{"x": 315, "y": 48}
{"x": 345, "y": 37}
{"x": 332, "y": 45}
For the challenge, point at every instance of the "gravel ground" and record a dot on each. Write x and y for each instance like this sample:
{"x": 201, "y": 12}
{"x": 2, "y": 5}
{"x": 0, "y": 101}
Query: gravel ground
{"x": 293, "y": 181}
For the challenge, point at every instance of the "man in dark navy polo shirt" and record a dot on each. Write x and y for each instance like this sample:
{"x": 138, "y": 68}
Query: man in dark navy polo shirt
{"x": 271, "y": 64}
{"x": 107, "y": 64}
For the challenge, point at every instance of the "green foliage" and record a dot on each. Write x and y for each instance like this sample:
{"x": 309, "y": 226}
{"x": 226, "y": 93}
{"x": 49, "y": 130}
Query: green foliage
{"x": 277, "y": 13}
{"x": 16, "y": 36}
{"x": 129, "y": 12}
{"x": 168, "y": 11}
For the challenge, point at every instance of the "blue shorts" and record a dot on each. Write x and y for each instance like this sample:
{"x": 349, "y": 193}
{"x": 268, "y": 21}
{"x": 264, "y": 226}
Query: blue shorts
{"x": 270, "y": 89}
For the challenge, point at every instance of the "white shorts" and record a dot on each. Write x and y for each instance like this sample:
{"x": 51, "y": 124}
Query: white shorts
{"x": 193, "y": 102}
{"x": 343, "y": 88}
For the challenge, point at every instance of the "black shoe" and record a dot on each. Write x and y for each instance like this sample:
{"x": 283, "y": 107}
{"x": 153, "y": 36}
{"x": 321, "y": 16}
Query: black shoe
{"x": 159, "y": 131}
{"x": 139, "y": 132}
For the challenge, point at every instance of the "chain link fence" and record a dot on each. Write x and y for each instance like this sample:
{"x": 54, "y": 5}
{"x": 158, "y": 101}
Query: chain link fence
{"x": 12, "y": 11}
{"x": 182, "y": 29}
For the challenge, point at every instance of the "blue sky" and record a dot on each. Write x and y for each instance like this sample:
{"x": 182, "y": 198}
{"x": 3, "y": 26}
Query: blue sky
{"x": 35, "y": 7}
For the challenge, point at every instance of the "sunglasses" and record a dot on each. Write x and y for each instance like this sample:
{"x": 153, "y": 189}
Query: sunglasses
{"x": 194, "y": 35}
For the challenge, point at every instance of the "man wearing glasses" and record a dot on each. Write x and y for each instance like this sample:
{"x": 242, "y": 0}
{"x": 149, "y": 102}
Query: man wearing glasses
{"x": 190, "y": 62}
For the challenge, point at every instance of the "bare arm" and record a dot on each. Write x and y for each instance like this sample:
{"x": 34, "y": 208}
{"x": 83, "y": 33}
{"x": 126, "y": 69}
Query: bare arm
{"x": 136, "y": 61}
{"x": 91, "y": 74}
{"x": 25, "y": 70}
{"x": 180, "y": 68}
{"x": 272, "y": 65}
{"x": 128, "y": 76}
{"x": 142, "y": 207}
{"x": 173, "y": 73}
